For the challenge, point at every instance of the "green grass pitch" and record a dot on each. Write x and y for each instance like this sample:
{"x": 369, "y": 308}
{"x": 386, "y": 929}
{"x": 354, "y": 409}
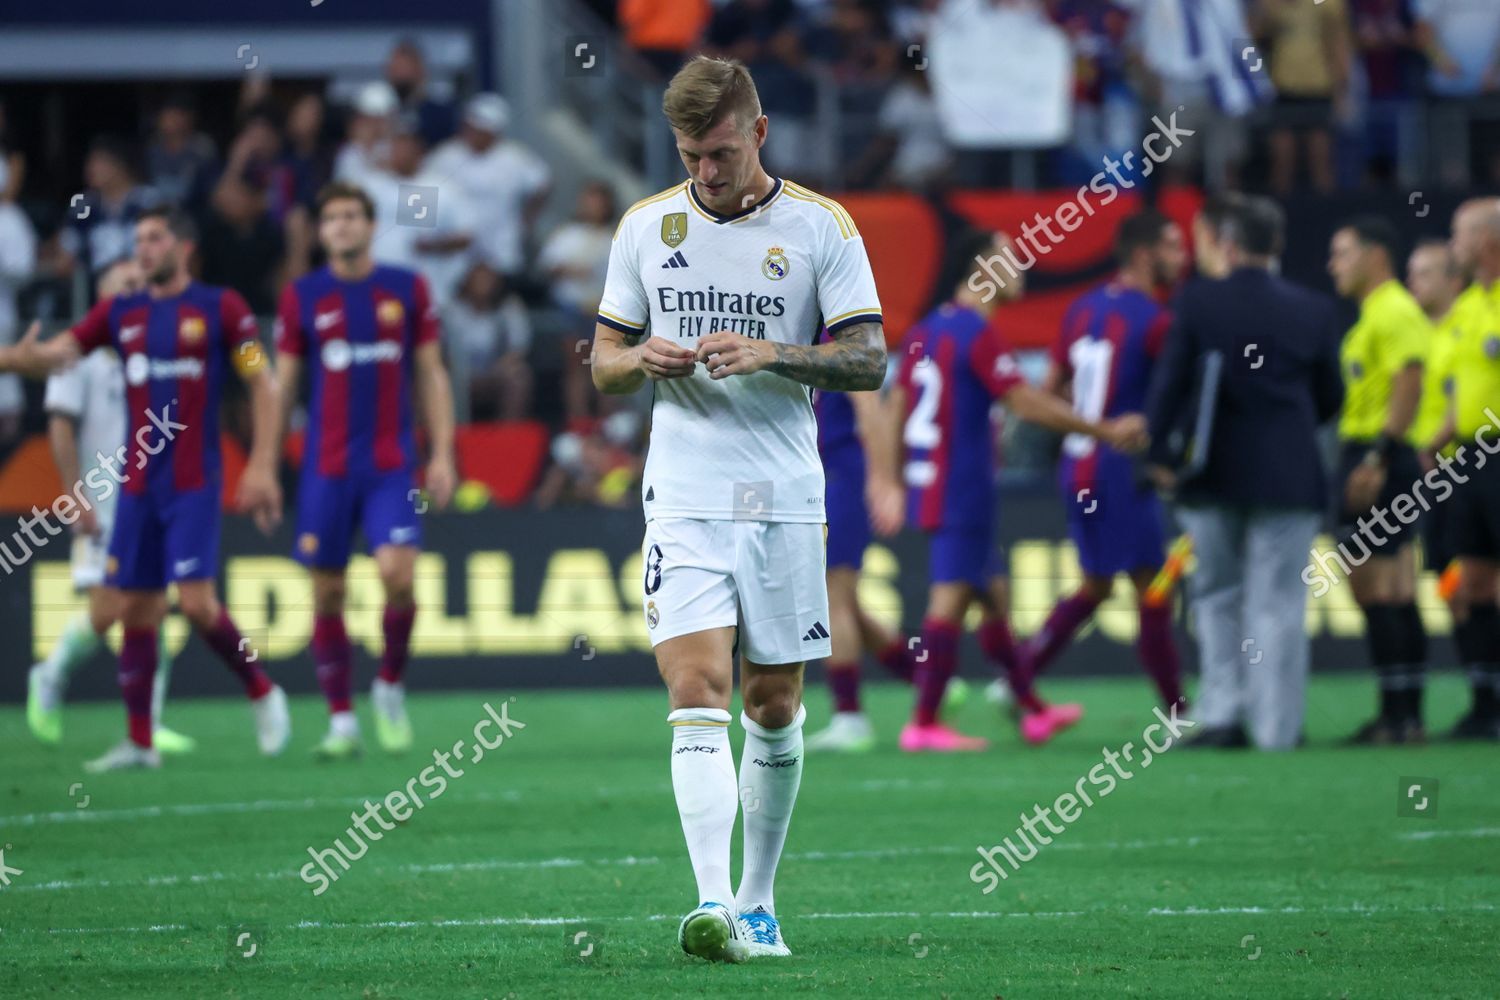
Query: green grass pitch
{"x": 1207, "y": 874}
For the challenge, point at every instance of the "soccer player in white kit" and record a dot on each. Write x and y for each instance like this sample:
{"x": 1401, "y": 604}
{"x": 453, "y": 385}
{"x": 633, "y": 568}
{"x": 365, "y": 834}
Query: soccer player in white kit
{"x": 85, "y": 406}
{"x": 715, "y": 292}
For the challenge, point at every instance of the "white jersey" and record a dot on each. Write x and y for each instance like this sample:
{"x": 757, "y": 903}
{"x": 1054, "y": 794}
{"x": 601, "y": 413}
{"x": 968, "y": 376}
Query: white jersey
{"x": 92, "y": 392}
{"x": 743, "y": 447}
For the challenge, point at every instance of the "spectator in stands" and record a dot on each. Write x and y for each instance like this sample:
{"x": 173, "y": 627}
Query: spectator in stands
{"x": 302, "y": 169}
{"x": 503, "y": 181}
{"x": 17, "y": 261}
{"x": 767, "y": 36}
{"x": 367, "y": 140}
{"x": 1310, "y": 63}
{"x": 1106, "y": 111}
{"x": 574, "y": 261}
{"x": 406, "y": 72}
{"x": 1384, "y": 42}
{"x": 600, "y": 464}
{"x": 664, "y": 32}
{"x": 1461, "y": 39}
{"x": 1192, "y": 53}
{"x": 240, "y": 246}
{"x": 1256, "y": 505}
{"x": 421, "y": 222}
{"x": 101, "y": 225}
{"x": 179, "y": 158}
{"x": 489, "y": 335}
{"x": 909, "y": 149}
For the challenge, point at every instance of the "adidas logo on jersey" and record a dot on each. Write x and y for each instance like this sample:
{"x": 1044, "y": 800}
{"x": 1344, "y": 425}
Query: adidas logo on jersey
{"x": 815, "y": 633}
{"x": 676, "y": 260}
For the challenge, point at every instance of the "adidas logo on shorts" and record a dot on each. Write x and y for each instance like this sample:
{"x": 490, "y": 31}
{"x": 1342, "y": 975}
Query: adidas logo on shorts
{"x": 815, "y": 633}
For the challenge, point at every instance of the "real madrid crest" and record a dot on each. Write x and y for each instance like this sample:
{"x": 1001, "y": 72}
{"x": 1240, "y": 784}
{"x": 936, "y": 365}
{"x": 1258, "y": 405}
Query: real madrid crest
{"x": 775, "y": 265}
{"x": 673, "y": 228}
{"x": 652, "y": 617}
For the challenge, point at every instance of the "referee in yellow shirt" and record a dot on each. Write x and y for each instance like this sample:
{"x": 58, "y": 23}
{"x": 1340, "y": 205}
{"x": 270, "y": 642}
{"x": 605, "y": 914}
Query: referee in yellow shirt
{"x": 1382, "y": 359}
{"x": 1435, "y": 280}
{"x": 1475, "y": 529}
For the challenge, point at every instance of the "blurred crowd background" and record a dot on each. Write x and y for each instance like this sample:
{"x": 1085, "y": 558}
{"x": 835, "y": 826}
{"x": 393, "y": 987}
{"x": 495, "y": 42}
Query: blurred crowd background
{"x": 1297, "y": 98}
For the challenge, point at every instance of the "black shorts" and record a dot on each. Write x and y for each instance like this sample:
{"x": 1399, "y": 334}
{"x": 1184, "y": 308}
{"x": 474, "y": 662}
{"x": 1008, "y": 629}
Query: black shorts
{"x": 1400, "y": 474}
{"x": 1437, "y": 535}
{"x": 1474, "y": 523}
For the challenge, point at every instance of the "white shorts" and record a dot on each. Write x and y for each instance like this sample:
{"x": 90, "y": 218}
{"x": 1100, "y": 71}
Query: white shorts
{"x": 89, "y": 555}
{"x": 767, "y": 577}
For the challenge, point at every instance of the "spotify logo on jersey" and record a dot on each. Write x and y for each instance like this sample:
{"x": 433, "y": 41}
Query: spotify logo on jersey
{"x": 336, "y": 355}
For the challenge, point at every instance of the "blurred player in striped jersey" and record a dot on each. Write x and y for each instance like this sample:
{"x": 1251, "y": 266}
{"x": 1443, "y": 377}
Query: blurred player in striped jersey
{"x": 1102, "y": 361}
{"x": 177, "y": 338}
{"x": 952, "y": 371}
{"x": 368, "y": 335}
{"x": 85, "y": 406}
{"x": 861, "y": 493}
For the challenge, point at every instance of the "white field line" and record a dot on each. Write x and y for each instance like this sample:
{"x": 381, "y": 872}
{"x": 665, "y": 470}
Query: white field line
{"x": 542, "y": 864}
{"x": 1358, "y": 909}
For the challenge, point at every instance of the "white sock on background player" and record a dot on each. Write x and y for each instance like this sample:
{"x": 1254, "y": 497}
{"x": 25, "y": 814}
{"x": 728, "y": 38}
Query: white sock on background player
{"x": 75, "y": 644}
{"x": 770, "y": 774}
{"x": 707, "y": 795}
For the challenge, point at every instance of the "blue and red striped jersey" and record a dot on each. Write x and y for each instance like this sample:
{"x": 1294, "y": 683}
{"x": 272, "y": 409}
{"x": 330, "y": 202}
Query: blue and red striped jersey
{"x": 1108, "y": 344}
{"x": 175, "y": 353}
{"x": 364, "y": 335}
{"x": 952, "y": 370}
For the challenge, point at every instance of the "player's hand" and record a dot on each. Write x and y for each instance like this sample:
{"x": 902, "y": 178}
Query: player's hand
{"x": 1127, "y": 433}
{"x": 728, "y": 354}
{"x": 19, "y": 357}
{"x": 887, "y": 502}
{"x": 87, "y": 523}
{"x": 1363, "y": 487}
{"x": 664, "y": 359}
{"x": 259, "y": 496}
{"x": 440, "y": 482}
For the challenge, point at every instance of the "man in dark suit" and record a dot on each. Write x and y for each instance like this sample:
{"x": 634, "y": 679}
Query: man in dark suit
{"x": 1256, "y": 505}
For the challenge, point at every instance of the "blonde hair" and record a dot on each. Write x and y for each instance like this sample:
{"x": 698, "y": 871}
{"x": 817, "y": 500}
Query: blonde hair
{"x": 707, "y": 91}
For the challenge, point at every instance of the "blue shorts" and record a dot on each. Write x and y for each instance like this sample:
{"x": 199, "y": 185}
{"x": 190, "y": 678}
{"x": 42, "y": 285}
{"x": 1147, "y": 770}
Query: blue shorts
{"x": 965, "y": 554}
{"x": 848, "y": 518}
{"x": 1115, "y": 525}
{"x": 384, "y": 506}
{"x": 163, "y": 537}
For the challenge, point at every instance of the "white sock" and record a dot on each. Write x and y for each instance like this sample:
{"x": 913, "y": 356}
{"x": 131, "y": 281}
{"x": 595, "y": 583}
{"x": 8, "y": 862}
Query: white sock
{"x": 770, "y": 774}
{"x": 344, "y": 724}
{"x": 76, "y": 643}
{"x": 163, "y": 677}
{"x": 707, "y": 795}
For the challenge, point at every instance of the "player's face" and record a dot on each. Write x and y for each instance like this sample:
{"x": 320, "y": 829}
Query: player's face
{"x": 123, "y": 278}
{"x": 723, "y": 162}
{"x": 1468, "y": 236}
{"x": 1209, "y": 253}
{"x": 1169, "y": 258}
{"x": 344, "y": 229}
{"x": 1346, "y": 262}
{"x": 157, "y": 252}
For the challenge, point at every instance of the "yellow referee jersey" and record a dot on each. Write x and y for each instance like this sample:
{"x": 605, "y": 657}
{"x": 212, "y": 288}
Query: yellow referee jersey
{"x": 1391, "y": 333}
{"x": 1476, "y": 358}
{"x": 1437, "y": 381}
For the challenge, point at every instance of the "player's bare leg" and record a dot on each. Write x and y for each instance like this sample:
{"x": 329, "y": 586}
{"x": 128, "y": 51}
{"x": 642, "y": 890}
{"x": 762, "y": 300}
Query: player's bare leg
{"x": 200, "y": 605}
{"x": 770, "y": 774}
{"x": 698, "y": 670}
{"x": 141, "y": 614}
{"x": 937, "y": 661}
{"x": 397, "y": 565}
{"x": 333, "y": 655}
{"x": 1154, "y": 645}
{"x": 1397, "y": 641}
{"x": 1039, "y": 721}
{"x": 1478, "y": 639}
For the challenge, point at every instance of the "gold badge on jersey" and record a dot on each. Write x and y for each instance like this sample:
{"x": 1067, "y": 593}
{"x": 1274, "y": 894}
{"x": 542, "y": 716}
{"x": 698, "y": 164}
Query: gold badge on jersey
{"x": 192, "y": 329}
{"x": 674, "y": 228}
{"x": 307, "y": 543}
{"x": 775, "y": 265}
{"x": 390, "y": 312}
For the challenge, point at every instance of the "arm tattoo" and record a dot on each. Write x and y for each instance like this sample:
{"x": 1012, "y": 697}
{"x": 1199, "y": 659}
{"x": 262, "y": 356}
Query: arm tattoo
{"x": 853, "y": 362}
